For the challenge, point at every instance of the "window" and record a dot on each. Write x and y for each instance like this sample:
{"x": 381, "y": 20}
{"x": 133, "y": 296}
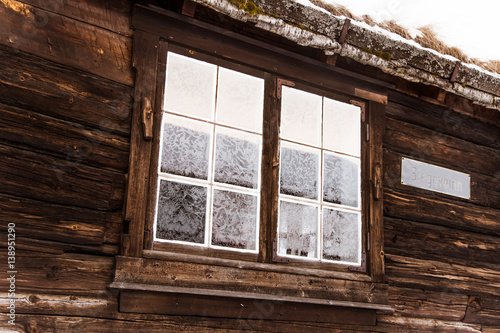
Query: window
{"x": 255, "y": 173}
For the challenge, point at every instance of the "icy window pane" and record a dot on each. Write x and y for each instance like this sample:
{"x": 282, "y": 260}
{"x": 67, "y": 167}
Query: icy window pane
{"x": 240, "y": 100}
{"x": 341, "y": 180}
{"x": 341, "y": 234}
{"x": 237, "y": 158}
{"x": 298, "y": 229}
{"x": 341, "y": 131}
{"x": 190, "y": 86}
{"x": 299, "y": 170}
{"x": 234, "y": 220}
{"x": 301, "y": 116}
{"x": 186, "y": 147}
{"x": 181, "y": 212}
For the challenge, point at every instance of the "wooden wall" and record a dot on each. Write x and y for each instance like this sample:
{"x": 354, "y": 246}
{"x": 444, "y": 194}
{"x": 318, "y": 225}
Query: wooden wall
{"x": 66, "y": 88}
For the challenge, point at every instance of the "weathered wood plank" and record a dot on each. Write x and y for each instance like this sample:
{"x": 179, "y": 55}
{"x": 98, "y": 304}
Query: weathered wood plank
{"x": 432, "y": 146}
{"x": 485, "y": 189}
{"x": 182, "y": 304}
{"x": 427, "y": 241}
{"x": 66, "y": 41}
{"x": 407, "y": 272}
{"x": 429, "y": 209}
{"x": 61, "y": 92}
{"x": 112, "y": 15}
{"x": 248, "y": 281}
{"x": 427, "y": 304}
{"x": 75, "y": 274}
{"x": 419, "y": 325}
{"x": 145, "y": 61}
{"x": 63, "y": 139}
{"x": 483, "y": 310}
{"x": 40, "y": 177}
{"x": 46, "y": 221}
{"x": 442, "y": 120}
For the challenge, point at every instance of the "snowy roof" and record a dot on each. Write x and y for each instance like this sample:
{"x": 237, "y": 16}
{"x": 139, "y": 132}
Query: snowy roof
{"x": 308, "y": 25}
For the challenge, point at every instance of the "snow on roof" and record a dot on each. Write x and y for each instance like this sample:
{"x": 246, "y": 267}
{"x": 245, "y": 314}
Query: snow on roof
{"x": 309, "y": 25}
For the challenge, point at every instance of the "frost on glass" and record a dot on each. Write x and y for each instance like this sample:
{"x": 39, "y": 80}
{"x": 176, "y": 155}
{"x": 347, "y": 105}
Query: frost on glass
{"x": 341, "y": 180}
{"x": 190, "y": 86}
{"x": 299, "y": 171}
{"x": 341, "y": 235}
{"x": 181, "y": 212}
{"x": 298, "y": 229}
{"x": 341, "y": 127}
{"x": 301, "y": 116}
{"x": 234, "y": 220}
{"x": 186, "y": 147}
{"x": 237, "y": 158}
{"x": 240, "y": 100}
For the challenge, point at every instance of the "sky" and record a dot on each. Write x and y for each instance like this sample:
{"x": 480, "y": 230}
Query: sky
{"x": 472, "y": 26}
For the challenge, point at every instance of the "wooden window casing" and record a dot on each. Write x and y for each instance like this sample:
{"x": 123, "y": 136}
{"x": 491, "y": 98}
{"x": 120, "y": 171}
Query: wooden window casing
{"x": 151, "y": 266}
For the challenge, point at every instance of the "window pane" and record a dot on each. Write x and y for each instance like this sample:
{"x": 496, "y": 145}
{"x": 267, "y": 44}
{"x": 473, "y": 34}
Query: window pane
{"x": 301, "y": 116}
{"x": 341, "y": 131}
{"x": 298, "y": 229}
{"x": 341, "y": 180}
{"x": 181, "y": 212}
{"x": 240, "y": 100}
{"x": 299, "y": 170}
{"x": 186, "y": 147}
{"x": 190, "y": 86}
{"x": 234, "y": 220}
{"x": 341, "y": 235}
{"x": 237, "y": 158}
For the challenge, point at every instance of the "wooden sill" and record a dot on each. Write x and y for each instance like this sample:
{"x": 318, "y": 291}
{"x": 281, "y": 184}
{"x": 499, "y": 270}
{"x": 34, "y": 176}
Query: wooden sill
{"x": 246, "y": 280}
{"x": 180, "y": 303}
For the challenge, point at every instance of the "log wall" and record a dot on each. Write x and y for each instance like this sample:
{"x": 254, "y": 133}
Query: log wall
{"x": 66, "y": 88}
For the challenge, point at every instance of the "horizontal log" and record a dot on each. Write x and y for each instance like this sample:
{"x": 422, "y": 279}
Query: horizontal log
{"x": 66, "y": 274}
{"x": 431, "y": 146}
{"x": 40, "y": 177}
{"x": 63, "y": 92}
{"x": 99, "y": 306}
{"x": 66, "y": 41}
{"x": 408, "y": 272}
{"x": 427, "y": 241}
{"x": 243, "y": 282}
{"x": 418, "y": 325}
{"x": 112, "y": 15}
{"x": 433, "y": 210}
{"x": 47, "y": 221}
{"x": 427, "y": 304}
{"x": 63, "y": 139}
{"x": 485, "y": 189}
{"x": 442, "y": 120}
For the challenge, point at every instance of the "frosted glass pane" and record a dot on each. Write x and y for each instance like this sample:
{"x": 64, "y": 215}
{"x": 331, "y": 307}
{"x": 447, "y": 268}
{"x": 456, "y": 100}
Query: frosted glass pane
{"x": 186, "y": 147}
{"x": 301, "y": 116}
{"x": 181, "y": 212}
{"x": 341, "y": 180}
{"x": 298, "y": 229}
{"x": 240, "y": 100}
{"x": 341, "y": 234}
{"x": 234, "y": 220}
{"x": 190, "y": 86}
{"x": 341, "y": 131}
{"x": 237, "y": 158}
{"x": 299, "y": 170}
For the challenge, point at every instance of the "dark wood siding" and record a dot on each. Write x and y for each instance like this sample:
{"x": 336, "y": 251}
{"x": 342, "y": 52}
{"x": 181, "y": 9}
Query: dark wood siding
{"x": 66, "y": 94}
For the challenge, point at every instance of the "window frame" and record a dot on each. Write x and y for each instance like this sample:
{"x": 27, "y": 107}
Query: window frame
{"x": 154, "y": 29}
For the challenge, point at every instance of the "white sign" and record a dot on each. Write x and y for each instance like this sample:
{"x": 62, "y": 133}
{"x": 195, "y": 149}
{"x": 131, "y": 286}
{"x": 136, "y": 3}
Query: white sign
{"x": 434, "y": 178}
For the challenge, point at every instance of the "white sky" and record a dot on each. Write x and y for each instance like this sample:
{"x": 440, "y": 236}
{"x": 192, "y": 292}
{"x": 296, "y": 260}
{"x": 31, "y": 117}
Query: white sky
{"x": 472, "y": 26}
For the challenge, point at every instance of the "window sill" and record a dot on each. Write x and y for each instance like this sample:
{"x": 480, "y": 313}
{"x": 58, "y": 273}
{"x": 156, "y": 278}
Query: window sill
{"x": 231, "y": 279}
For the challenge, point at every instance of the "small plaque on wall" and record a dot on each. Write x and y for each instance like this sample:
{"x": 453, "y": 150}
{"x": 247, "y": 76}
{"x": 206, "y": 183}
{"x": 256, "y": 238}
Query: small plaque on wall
{"x": 434, "y": 178}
